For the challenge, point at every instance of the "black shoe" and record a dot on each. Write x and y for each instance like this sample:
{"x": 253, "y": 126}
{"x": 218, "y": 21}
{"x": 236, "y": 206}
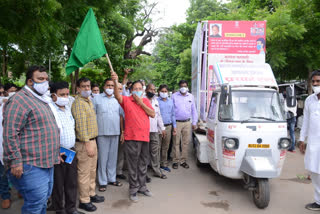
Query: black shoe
{"x": 314, "y": 206}
{"x": 89, "y": 207}
{"x": 96, "y": 199}
{"x": 175, "y": 166}
{"x": 185, "y": 165}
{"x": 122, "y": 176}
{"x": 76, "y": 212}
{"x": 148, "y": 179}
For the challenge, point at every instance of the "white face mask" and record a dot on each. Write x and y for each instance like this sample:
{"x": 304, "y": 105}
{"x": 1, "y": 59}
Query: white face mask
{"x": 85, "y": 94}
{"x": 183, "y": 90}
{"x": 94, "y": 94}
{"x": 62, "y": 101}
{"x": 48, "y": 93}
{"x": 41, "y": 88}
{"x": 11, "y": 94}
{"x": 316, "y": 89}
{"x": 163, "y": 95}
{"x": 109, "y": 91}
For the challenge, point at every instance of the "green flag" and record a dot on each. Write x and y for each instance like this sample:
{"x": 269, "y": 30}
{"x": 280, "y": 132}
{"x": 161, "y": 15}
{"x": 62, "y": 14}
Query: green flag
{"x": 88, "y": 45}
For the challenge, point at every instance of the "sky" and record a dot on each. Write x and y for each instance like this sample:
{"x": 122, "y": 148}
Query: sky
{"x": 167, "y": 13}
{"x": 170, "y": 12}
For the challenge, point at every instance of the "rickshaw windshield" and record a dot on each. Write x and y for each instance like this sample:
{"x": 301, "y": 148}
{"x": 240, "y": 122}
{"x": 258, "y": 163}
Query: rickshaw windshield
{"x": 252, "y": 106}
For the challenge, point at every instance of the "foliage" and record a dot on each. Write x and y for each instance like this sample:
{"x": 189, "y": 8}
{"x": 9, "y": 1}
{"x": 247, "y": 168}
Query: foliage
{"x": 36, "y": 32}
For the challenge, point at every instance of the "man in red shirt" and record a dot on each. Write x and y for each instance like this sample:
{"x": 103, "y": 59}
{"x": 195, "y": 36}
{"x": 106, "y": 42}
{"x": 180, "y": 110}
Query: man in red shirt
{"x": 136, "y": 135}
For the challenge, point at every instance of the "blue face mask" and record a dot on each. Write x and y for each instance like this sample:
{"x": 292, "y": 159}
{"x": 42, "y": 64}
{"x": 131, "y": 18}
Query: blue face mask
{"x": 259, "y": 47}
{"x": 138, "y": 93}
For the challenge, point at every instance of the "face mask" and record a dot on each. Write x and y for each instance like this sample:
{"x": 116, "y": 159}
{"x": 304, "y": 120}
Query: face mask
{"x": 41, "y": 88}
{"x": 259, "y": 47}
{"x": 138, "y": 93}
{"x": 85, "y": 94}
{"x": 144, "y": 87}
{"x": 316, "y": 89}
{"x": 163, "y": 95}
{"x": 48, "y": 93}
{"x": 109, "y": 91}
{"x": 11, "y": 94}
{"x": 184, "y": 90}
{"x": 94, "y": 94}
{"x": 149, "y": 94}
{"x": 62, "y": 101}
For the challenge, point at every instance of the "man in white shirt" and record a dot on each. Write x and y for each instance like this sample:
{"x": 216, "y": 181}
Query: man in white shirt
{"x": 64, "y": 194}
{"x": 156, "y": 125}
{"x": 311, "y": 130}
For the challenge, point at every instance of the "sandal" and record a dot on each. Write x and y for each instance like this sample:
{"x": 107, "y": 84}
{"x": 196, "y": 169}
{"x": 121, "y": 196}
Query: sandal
{"x": 102, "y": 188}
{"x": 162, "y": 176}
{"x": 116, "y": 183}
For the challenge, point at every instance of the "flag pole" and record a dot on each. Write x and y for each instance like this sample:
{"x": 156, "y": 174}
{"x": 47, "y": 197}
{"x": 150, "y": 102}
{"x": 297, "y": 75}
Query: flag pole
{"x": 109, "y": 62}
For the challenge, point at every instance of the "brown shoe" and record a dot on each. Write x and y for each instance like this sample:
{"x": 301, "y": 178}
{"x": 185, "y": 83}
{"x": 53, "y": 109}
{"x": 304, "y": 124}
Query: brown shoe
{"x": 6, "y": 204}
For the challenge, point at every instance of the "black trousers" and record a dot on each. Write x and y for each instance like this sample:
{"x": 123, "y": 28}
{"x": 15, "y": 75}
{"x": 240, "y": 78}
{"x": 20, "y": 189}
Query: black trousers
{"x": 65, "y": 187}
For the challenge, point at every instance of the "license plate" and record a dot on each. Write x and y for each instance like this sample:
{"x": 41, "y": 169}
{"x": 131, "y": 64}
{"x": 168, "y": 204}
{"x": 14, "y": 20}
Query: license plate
{"x": 264, "y": 146}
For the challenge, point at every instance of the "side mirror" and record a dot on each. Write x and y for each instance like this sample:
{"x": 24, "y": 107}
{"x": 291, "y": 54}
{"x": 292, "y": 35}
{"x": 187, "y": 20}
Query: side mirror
{"x": 291, "y": 98}
{"x": 229, "y": 95}
{"x": 224, "y": 94}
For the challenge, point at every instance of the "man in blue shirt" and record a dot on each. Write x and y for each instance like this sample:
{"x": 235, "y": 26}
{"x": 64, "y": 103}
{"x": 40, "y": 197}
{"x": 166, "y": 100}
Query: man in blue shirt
{"x": 169, "y": 121}
{"x": 110, "y": 127}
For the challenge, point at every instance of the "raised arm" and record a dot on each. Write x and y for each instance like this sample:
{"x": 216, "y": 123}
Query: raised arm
{"x": 117, "y": 94}
{"x": 125, "y": 76}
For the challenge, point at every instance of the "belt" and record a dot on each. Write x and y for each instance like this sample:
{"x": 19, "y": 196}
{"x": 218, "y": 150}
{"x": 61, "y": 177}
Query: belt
{"x": 181, "y": 121}
{"x": 168, "y": 124}
{"x": 81, "y": 141}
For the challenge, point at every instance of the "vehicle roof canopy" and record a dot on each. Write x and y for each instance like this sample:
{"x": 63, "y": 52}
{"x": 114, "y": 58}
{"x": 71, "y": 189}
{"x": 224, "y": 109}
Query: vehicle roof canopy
{"x": 252, "y": 75}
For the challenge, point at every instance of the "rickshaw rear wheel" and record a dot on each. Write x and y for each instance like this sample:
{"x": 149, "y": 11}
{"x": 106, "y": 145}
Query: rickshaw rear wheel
{"x": 261, "y": 193}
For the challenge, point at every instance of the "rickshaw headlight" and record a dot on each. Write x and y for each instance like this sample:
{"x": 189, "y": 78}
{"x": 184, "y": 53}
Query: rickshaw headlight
{"x": 231, "y": 143}
{"x": 284, "y": 143}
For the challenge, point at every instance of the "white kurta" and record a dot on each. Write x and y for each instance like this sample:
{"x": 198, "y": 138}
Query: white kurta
{"x": 311, "y": 130}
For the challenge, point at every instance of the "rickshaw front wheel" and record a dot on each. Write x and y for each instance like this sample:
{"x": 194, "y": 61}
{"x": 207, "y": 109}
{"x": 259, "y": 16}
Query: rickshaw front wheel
{"x": 261, "y": 193}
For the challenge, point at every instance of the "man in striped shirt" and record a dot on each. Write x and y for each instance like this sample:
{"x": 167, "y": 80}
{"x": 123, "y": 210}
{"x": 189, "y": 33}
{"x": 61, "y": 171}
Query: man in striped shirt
{"x": 31, "y": 141}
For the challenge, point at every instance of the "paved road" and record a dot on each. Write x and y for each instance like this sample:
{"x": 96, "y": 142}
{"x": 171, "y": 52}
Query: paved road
{"x": 200, "y": 190}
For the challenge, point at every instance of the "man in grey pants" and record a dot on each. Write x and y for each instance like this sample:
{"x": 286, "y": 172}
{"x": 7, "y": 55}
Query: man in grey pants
{"x": 136, "y": 135}
{"x": 156, "y": 125}
{"x": 110, "y": 125}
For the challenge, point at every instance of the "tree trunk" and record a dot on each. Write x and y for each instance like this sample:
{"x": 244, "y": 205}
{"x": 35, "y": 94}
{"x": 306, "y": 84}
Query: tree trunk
{"x": 4, "y": 63}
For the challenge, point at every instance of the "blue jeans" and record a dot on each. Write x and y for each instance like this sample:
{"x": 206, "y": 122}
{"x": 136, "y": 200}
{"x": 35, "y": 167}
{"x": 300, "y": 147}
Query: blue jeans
{"x": 35, "y": 185}
{"x": 291, "y": 124}
{"x": 4, "y": 184}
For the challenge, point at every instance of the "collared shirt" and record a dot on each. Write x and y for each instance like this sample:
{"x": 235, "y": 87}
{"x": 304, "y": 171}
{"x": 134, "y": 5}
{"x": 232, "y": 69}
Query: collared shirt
{"x": 85, "y": 118}
{"x": 311, "y": 119}
{"x": 108, "y": 112}
{"x": 67, "y": 134}
{"x": 125, "y": 92}
{"x": 137, "y": 125}
{"x": 184, "y": 107}
{"x": 167, "y": 111}
{"x": 30, "y": 132}
{"x": 156, "y": 123}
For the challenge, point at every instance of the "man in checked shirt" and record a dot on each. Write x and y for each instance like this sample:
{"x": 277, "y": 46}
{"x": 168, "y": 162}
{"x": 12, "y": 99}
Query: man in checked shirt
{"x": 31, "y": 141}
